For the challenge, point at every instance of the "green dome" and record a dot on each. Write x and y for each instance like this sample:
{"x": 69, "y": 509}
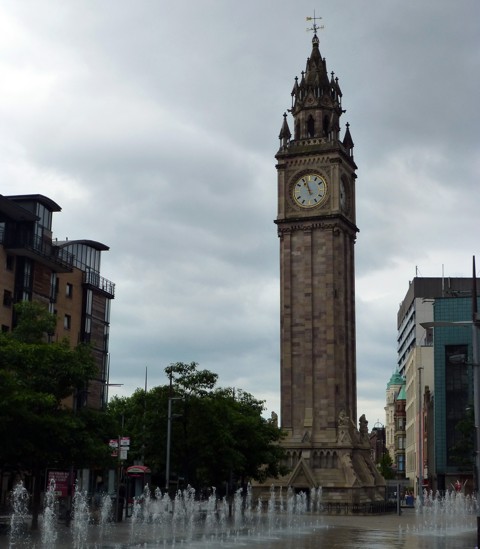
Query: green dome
{"x": 396, "y": 379}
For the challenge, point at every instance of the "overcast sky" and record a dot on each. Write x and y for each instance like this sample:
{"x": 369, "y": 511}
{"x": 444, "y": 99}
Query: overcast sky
{"x": 154, "y": 126}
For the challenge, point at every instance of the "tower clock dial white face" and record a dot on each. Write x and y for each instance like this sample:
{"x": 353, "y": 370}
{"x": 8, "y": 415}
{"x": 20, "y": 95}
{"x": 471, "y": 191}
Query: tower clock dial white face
{"x": 310, "y": 190}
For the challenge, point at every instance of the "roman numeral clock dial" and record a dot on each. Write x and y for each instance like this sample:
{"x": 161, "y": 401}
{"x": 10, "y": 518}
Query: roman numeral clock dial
{"x": 310, "y": 190}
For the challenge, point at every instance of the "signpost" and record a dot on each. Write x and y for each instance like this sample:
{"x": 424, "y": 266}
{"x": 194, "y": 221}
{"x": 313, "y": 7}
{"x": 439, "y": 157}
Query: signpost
{"x": 120, "y": 447}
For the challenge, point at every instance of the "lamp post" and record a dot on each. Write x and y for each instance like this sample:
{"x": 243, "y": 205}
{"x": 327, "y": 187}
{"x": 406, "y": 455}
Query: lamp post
{"x": 420, "y": 438}
{"x": 169, "y": 440}
{"x": 476, "y": 389}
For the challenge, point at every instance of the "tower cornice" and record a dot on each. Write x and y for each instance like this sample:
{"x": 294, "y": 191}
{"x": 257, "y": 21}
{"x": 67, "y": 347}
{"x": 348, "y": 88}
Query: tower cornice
{"x": 325, "y": 222}
{"x": 315, "y": 146}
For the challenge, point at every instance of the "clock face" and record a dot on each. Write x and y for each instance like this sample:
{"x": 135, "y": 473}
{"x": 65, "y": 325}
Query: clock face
{"x": 310, "y": 190}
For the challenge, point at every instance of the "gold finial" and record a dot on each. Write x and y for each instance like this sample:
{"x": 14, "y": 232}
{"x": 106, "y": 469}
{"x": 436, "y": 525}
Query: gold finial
{"x": 314, "y": 27}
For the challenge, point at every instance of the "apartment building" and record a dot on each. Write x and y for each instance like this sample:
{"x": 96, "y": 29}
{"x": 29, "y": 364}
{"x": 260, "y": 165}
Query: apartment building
{"x": 64, "y": 275}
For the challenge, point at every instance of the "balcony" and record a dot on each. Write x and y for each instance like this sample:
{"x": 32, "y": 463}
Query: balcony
{"x": 27, "y": 244}
{"x": 92, "y": 278}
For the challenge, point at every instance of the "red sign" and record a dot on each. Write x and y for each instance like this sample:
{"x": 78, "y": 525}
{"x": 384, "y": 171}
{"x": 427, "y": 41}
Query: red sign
{"x": 62, "y": 481}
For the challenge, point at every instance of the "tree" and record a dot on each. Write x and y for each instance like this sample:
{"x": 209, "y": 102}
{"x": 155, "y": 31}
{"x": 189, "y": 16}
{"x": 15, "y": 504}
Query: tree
{"x": 462, "y": 453}
{"x": 218, "y": 435}
{"x": 36, "y": 428}
{"x": 386, "y": 466}
{"x": 34, "y": 322}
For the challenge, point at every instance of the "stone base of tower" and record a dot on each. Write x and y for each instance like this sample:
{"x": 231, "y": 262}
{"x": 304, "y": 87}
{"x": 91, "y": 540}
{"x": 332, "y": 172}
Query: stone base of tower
{"x": 343, "y": 468}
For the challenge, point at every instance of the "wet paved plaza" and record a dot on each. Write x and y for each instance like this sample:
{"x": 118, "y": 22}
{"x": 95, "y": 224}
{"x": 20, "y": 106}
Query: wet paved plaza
{"x": 408, "y": 531}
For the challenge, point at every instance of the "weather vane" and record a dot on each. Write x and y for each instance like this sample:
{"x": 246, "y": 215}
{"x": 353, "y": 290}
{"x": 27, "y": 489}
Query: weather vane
{"x": 315, "y": 27}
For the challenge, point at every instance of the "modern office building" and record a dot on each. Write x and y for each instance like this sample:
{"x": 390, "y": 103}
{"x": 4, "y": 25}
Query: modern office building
{"x": 65, "y": 276}
{"x": 438, "y": 387}
{"x": 453, "y": 458}
{"x": 417, "y": 308}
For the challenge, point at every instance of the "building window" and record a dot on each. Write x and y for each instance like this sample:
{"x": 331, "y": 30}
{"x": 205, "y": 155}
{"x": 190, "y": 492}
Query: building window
{"x": 67, "y": 322}
{"x": 10, "y": 262}
{"x": 458, "y": 396}
{"x": 7, "y": 298}
{"x": 53, "y": 288}
{"x": 69, "y": 290}
{"x": 5, "y": 329}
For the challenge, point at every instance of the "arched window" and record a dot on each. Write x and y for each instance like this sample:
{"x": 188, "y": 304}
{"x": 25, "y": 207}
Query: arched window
{"x": 297, "y": 130}
{"x": 311, "y": 126}
{"x": 326, "y": 125}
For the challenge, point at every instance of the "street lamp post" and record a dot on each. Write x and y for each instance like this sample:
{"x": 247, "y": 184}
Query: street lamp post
{"x": 476, "y": 391}
{"x": 169, "y": 440}
{"x": 420, "y": 438}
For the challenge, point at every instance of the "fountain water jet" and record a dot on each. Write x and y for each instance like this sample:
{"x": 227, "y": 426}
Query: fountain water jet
{"x": 49, "y": 524}
{"x": 81, "y": 518}
{"x": 18, "y": 519}
{"x": 276, "y": 523}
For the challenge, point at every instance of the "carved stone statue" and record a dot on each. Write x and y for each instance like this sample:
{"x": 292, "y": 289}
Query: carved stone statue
{"x": 363, "y": 427}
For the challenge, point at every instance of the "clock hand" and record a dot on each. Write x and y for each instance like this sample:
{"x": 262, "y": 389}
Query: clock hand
{"x": 308, "y": 188}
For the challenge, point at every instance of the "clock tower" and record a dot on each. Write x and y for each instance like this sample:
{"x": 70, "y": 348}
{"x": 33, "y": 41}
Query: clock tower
{"x": 316, "y": 225}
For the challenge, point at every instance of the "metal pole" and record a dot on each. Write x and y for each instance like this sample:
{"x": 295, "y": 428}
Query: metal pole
{"x": 169, "y": 431}
{"x": 476, "y": 391}
{"x": 476, "y": 397}
{"x": 144, "y": 415}
{"x": 420, "y": 438}
{"x": 119, "y": 472}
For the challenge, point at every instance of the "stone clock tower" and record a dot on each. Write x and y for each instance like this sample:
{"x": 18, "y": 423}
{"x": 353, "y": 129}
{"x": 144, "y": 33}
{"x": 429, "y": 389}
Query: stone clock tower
{"x": 317, "y": 229}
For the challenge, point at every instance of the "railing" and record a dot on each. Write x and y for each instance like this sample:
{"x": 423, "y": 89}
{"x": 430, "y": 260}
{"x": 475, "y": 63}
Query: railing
{"x": 94, "y": 279}
{"x": 37, "y": 244}
{"x": 44, "y": 248}
{"x": 367, "y": 508}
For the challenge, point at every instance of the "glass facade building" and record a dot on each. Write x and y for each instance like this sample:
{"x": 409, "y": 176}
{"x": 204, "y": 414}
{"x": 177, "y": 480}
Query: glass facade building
{"x": 453, "y": 388}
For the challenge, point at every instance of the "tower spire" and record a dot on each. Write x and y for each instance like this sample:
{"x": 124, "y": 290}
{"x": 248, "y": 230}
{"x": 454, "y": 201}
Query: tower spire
{"x": 316, "y": 98}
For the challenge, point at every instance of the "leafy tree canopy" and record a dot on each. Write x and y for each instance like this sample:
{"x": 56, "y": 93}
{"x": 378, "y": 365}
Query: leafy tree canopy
{"x": 386, "y": 466}
{"x": 218, "y": 435}
{"x": 34, "y": 322}
{"x": 36, "y": 428}
{"x": 462, "y": 453}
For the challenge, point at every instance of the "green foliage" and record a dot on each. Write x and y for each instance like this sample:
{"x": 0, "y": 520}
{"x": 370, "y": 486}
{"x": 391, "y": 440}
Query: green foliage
{"x": 462, "y": 453}
{"x": 36, "y": 429}
{"x": 386, "y": 466}
{"x": 189, "y": 381}
{"x": 34, "y": 322}
{"x": 218, "y": 434}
